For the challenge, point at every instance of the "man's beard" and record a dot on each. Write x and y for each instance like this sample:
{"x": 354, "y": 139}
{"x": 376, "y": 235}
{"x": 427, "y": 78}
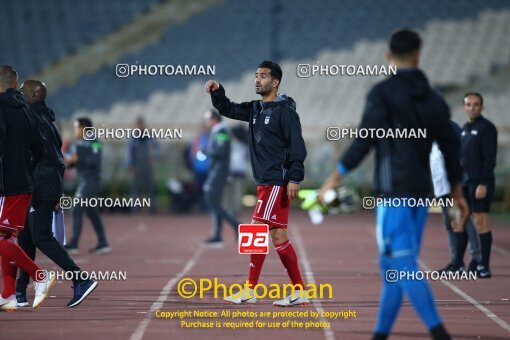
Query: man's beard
{"x": 263, "y": 92}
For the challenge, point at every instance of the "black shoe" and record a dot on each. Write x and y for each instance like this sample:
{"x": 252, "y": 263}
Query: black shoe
{"x": 472, "y": 266}
{"x": 102, "y": 249}
{"x": 483, "y": 272}
{"x": 81, "y": 291}
{"x": 71, "y": 249}
{"x": 21, "y": 298}
{"x": 214, "y": 243}
{"x": 451, "y": 268}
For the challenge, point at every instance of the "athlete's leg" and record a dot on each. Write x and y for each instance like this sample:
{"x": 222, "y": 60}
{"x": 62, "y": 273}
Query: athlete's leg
{"x": 451, "y": 234}
{"x": 256, "y": 263}
{"x": 399, "y": 233}
{"x": 9, "y": 250}
{"x": 474, "y": 243}
{"x": 230, "y": 218}
{"x": 391, "y": 292}
{"x": 390, "y": 299}
{"x": 461, "y": 236}
{"x": 419, "y": 293}
{"x": 9, "y": 269}
{"x": 97, "y": 224}
{"x": 40, "y": 221}
{"x": 77, "y": 226}
{"x": 287, "y": 255}
{"x": 213, "y": 191}
{"x": 28, "y": 246}
{"x": 481, "y": 223}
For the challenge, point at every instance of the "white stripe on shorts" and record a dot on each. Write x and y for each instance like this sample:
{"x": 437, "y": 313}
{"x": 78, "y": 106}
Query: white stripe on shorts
{"x": 272, "y": 202}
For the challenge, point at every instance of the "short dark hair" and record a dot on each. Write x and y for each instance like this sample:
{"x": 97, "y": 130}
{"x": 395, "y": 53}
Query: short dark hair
{"x": 84, "y": 122}
{"x": 215, "y": 115}
{"x": 474, "y": 94}
{"x": 8, "y": 75}
{"x": 276, "y": 70}
{"x": 404, "y": 42}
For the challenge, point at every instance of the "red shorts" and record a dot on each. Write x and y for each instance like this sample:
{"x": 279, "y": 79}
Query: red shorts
{"x": 272, "y": 206}
{"x": 13, "y": 211}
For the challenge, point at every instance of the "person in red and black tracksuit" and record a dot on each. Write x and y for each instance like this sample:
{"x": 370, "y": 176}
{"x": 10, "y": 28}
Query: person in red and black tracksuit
{"x": 277, "y": 151}
{"x": 479, "y": 146}
{"x": 48, "y": 184}
{"x": 21, "y": 145}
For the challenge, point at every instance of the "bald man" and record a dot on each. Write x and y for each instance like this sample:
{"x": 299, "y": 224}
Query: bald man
{"x": 21, "y": 143}
{"x": 48, "y": 181}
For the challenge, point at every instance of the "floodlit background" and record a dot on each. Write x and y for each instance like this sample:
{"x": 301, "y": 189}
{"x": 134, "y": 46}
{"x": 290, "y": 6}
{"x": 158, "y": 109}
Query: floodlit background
{"x": 74, "y": 47}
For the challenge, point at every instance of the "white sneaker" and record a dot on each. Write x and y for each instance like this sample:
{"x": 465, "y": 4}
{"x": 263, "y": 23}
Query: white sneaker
{"x": 246, "y": 298}
{"x": 41, "y": 290}
{"x": 9, "y": 304}
{"x": 294, "y": 299}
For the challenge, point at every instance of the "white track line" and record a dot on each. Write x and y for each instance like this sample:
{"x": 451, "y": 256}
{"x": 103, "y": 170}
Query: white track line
{"x": 296, "y": 237}
{"x": 501, "y": 250}
{"x": 165, "y": 292}
{"x": 491, "y": 315}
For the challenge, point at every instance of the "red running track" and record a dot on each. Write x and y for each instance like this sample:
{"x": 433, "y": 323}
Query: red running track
{"x": 156, "y": 251}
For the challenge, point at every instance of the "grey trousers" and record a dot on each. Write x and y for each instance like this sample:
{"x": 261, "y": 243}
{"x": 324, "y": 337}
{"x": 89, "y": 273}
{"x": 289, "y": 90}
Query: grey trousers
{"x": 213, "y": 193}
{"x": 474, "y": 243}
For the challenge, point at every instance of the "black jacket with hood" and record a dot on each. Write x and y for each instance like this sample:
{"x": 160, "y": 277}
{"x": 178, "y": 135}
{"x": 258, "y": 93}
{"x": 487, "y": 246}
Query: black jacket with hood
{"x": 49, "y": 173}
{"x": 406, "y": 101}
{"x": 21, "y": 144}
{"x": 479, "y": 147}
{"x": 277, "y": 148}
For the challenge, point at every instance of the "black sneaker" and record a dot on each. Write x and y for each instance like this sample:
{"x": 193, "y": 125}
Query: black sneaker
{"x": 81, "y": 291}
{"x": 104, "y": 249}
{"x": 214, "y": 243}
{"x": 472, "y": 266}
{"x": 71, "y": 249}
{"x": 21, "y": 299}
{"x": 483, "y": 272}
{"x": 451, "y": 268}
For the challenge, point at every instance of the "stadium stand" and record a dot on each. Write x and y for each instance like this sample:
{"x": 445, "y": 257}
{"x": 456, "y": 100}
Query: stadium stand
{"x": 303, "y": 38}
{"x": 60, "y": 27}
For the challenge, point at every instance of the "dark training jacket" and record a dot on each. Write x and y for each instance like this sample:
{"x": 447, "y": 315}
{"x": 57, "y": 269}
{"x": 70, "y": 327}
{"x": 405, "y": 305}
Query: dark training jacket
{"x": 479, "y": 145}
{"x": 88, "y": 167}
{"x": 49, "y": 173}
{"x": 21, "y": 144}
{"x": 218, "y": 151}
{"x": 277, "y": 148}
{"x": 406, "y": 101}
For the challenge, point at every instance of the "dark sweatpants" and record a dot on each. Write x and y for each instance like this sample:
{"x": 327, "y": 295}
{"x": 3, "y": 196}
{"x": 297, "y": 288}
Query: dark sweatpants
{"x": 38, "y": 234}
{"x": 93, "y": 215}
